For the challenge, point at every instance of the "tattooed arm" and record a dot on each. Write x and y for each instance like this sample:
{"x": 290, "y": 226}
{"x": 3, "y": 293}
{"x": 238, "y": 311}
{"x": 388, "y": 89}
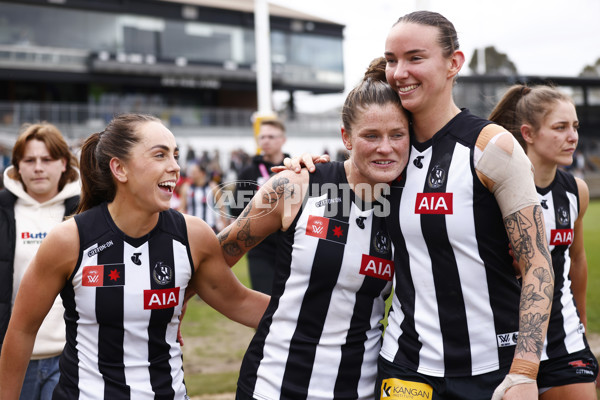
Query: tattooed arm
{"x": 272, "y": 208}
{"x": 527, "y": 236}
{"x": 505, "y": 170}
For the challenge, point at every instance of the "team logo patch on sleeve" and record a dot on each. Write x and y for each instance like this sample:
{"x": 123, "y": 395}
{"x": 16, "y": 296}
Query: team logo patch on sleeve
{"x": 104, "y": 275}
{"x": 393, "y": 389}
{"x": 327, "y": 228}
{"x": 377, "y": 267}
{"x": 560, "y": 237}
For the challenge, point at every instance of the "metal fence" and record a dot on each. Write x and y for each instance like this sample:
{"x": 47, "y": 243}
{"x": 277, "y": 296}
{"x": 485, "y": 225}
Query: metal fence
{"x": 78, "y": 119}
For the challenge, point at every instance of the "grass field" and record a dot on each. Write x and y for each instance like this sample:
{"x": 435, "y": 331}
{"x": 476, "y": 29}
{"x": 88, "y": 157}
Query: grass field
{"x": 214, "y": 346}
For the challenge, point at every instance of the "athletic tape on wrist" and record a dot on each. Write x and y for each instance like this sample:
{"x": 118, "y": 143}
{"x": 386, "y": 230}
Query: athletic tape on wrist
{"x": 524, "y": 367}
{"x": 509, "y": 381}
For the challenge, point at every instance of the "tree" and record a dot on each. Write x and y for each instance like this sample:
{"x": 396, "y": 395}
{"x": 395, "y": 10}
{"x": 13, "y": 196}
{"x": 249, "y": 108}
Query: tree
{"x": 496, "y": 63}
{"x": 591, "y": 70}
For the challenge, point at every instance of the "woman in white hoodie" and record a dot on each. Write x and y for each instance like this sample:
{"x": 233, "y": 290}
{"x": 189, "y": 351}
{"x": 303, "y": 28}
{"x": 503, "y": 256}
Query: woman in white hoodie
{"x": 41, "y": 188}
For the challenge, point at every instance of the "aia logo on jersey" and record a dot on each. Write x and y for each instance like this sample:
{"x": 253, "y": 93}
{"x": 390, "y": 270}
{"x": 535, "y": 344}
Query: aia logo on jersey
{"x": 560, "y": 237}
{"x": 376, "y": 267}
{"x": 161, "y": 298}
{"x": 327, "y": 228}
{"x": 103, "y": 275}
{"x": 433, "y": 203}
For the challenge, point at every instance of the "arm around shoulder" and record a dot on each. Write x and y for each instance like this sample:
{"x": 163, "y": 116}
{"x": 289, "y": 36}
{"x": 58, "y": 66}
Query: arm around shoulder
{"x": 272, "y": 208}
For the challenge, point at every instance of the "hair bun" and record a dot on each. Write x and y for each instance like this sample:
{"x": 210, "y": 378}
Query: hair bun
{"x": 376, "y": 70}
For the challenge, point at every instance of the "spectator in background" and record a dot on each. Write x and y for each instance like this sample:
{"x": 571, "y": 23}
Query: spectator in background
{"x": 198, "y": 197}
{"x": 261, "y": 259}
{"x": 41, "y": 188}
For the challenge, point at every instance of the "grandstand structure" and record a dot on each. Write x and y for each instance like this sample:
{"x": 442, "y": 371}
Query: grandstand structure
{"x": 77, "y": 63}
{"x": 191, "y": 62}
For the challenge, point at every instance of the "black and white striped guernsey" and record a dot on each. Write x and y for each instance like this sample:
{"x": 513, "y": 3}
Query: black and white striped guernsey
{"x": 560, "y": 206}
{"x": 122, "y": 305}
{"x": 321, "y": 334}
{"x": 200, "y": 203}
{"x": 455, "y": 311}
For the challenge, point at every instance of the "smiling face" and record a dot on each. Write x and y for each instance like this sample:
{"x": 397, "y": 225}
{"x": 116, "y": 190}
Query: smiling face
{"x": 379, "y": 144}
{"x": 151, "y": 171}
{"x": 557, "y": 137}
{"x": 40, "y": 172}
{"x": 417, "y": 68}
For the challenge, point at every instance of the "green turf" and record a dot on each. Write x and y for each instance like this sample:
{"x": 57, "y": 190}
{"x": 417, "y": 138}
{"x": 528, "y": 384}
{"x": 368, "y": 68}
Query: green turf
{"x": 591, "y": 237}
{"x": 203, "y": 321}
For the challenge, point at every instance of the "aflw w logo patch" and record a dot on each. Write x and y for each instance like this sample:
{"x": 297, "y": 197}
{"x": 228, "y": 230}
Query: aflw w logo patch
{"x": 433, "y": 203}
{"x": 327, "y": 228}
{"x": 103, "y": 275}
{"x": 559, "y": 237}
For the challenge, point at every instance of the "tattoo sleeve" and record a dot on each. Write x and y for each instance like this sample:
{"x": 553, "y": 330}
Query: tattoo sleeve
{"x": 517, "y": 226}
{"x": 526, "y": 233}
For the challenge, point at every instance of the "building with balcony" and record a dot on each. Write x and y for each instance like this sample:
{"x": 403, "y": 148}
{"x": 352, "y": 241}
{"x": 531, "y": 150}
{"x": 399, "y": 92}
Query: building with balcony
{"x": 151, "y": 55}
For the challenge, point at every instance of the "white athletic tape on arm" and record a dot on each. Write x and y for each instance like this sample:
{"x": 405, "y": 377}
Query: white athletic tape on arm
{"x": 509, "y": 381}
{"x": 512, "y": 175}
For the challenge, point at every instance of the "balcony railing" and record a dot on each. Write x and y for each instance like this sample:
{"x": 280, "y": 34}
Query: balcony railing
{"x": 78, "y": 120}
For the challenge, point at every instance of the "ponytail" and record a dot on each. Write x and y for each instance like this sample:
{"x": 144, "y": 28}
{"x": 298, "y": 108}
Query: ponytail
{"x": 116, "y": 141}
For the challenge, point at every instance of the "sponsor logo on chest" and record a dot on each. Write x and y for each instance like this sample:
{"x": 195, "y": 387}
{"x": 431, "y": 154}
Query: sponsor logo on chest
{"x": 161, "y": 298}
{"x": 560, "y": 237}
{"x": 377, "y": 267}
{"x": 434, "y": 203}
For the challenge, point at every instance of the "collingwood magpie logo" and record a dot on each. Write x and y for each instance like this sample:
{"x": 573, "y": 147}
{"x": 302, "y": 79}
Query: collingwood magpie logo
{"x": 360, "y": 221}
{"x": 381, "y": 243}
{"x": 417, "y": 162}
{"x": 563, "y": 216}
{"x": 162, "y": 273}
{"x": 136, "y": 258}
{"x": 544, "y": 204}
{"x": 437, "y": 177}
